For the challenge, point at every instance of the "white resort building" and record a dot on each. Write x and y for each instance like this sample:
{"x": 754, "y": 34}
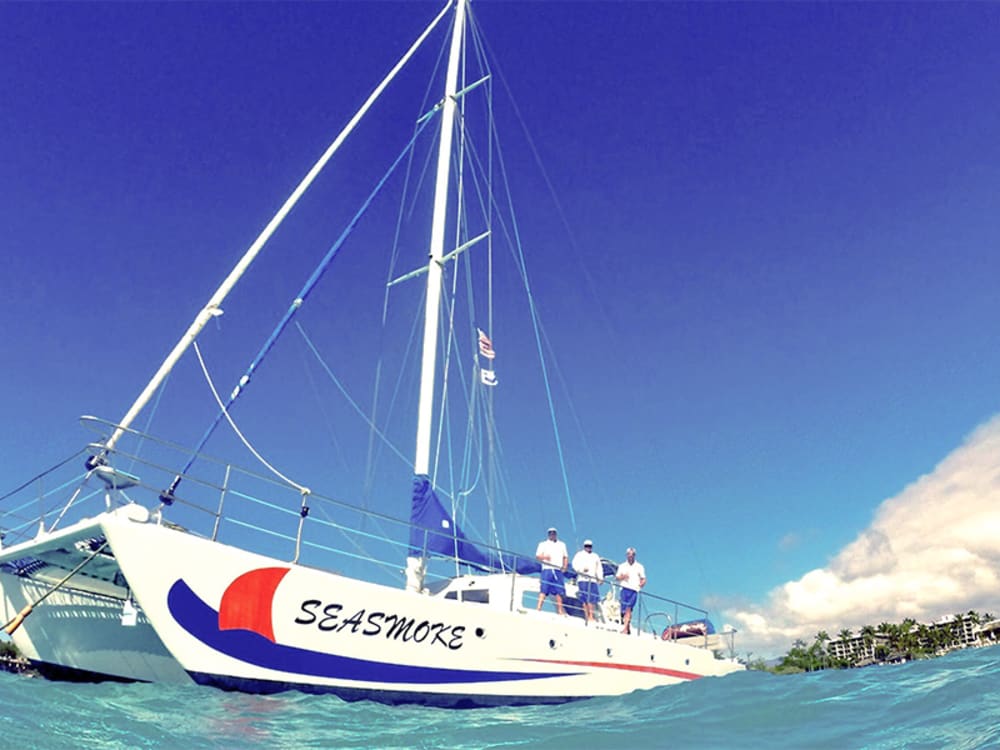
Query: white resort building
{"x": 949, "y": 632}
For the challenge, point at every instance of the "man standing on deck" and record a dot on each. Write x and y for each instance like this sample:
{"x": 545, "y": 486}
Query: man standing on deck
{"x": 587, "y": 564}
{"x": 633, "y": 577}
{"x": 554, "y": 558}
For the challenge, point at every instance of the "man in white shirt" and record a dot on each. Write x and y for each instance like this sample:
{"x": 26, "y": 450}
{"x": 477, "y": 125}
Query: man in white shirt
{"x": 633, "y": 577}
{"x": 587, "y": 564}
{"x": 554, "y": 558}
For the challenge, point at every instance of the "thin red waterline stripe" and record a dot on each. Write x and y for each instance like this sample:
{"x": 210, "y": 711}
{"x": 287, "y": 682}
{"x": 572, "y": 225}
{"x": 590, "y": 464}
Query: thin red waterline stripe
{"x": 627, "y": 667}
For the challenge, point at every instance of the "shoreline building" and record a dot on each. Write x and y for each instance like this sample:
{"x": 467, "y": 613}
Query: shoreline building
{"x": 949, "y": 632}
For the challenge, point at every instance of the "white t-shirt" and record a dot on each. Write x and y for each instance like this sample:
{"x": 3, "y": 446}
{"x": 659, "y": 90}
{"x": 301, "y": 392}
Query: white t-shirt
{"x": 555, "y": 552}
{"x": 633, "y": 573}
{"x": 588, "y": 565}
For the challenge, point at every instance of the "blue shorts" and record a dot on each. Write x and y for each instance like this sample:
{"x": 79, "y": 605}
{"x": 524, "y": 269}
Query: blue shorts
{"x": 552, "y": 582}
{"x": 589, "y": 593}
{"x": 628, "y": 598}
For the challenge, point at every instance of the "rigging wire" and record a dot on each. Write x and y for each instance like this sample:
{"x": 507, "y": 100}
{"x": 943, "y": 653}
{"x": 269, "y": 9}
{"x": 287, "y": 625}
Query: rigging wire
{"x": 460, "y": 466}
{"x": 225, "y": 412}
{"x": 149, "y": 422}
{"x": 541, "y": 354}
{"x": 448, "y": 321}
{"x": 567, "y": 226}
{"x": 297, "y": 303}
{"x": 373, "y": 452}
{"x": 40, "y": 475}
{"x": 488, "y": 214}
{"x": 322, "y": 406}
{"x": 353, "y": 404}
{"x": 512, "y": 233}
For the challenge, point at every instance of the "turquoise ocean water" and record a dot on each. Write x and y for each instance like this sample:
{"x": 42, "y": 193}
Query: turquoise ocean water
{"x": 951, "y": 702}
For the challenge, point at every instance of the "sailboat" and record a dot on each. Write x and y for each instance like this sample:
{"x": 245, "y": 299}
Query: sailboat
{"x": 157, "y": 562}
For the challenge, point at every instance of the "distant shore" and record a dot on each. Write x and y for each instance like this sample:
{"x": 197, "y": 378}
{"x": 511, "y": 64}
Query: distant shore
{"x": 889, "y": 643}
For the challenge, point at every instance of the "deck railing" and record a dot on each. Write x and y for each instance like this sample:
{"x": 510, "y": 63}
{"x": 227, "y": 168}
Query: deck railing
{"x": 226, "y": 503}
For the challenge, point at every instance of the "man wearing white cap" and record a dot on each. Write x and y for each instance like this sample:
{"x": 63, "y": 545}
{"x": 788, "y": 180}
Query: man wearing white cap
{"x": 587, "y": 564}
{"x": 633, "y": 577}
{"x": 554, "y": 558}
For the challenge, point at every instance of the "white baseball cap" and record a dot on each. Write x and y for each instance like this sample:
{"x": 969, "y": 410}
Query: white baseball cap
{"x": 587, "y": 543}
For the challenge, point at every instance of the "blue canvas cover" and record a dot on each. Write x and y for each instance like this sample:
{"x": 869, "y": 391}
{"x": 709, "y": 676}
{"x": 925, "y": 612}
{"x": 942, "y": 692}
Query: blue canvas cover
{"x": 431, "y": 522}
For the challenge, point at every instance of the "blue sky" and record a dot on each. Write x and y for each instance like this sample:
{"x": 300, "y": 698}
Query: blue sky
{"x": 774, "y": 309}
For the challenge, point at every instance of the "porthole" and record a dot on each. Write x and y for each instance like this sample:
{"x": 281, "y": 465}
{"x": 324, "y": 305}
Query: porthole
{"x": 552, "y": 643}
{"x": 609, "y": 653}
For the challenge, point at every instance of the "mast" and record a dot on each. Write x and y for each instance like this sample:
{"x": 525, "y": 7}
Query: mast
{"x": 421, "y": 462}
{"x": 416, "y": 566}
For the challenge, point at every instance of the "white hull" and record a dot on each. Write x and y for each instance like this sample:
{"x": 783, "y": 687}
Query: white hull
{"x": 237, "y": 620}
{"x": 77, "y": 633}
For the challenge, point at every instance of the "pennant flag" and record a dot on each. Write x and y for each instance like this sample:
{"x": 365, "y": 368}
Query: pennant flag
{"x": 485, "y": 345}
{"x": 488, "y": 377}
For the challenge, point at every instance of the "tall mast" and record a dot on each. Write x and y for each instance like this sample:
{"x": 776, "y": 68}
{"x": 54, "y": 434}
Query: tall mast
{"x": 421, "y": 462}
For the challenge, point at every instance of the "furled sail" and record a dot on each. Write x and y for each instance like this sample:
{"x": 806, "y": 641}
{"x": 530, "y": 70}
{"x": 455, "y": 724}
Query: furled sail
{"x": 434, "y": 531}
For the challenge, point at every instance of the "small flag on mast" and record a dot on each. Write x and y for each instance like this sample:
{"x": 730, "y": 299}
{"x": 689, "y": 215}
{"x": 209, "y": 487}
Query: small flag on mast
{"x": 485, "y": 345}
{"x": 489, "y": 377}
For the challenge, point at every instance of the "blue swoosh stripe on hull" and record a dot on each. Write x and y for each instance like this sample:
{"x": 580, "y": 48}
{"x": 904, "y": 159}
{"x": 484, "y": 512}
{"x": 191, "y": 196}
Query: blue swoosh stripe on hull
{"x": 202, "y": 622}
{"x": 390, "y": 697}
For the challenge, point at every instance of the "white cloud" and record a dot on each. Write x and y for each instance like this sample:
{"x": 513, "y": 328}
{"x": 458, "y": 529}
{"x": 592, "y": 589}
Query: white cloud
{"x": 932, "y": 550}
{"x": 790, "y": 541}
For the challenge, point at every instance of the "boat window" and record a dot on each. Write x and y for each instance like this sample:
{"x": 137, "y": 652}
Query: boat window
{"x": 479, "y": 596}
{"x": 451, "y": 595}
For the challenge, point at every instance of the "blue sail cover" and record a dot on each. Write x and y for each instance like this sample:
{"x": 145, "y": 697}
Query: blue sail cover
{"x": 433, "y": 530}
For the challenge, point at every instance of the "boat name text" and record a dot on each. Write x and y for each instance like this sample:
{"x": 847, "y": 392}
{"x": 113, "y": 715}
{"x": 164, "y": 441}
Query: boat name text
{"x": 395, "y": 627}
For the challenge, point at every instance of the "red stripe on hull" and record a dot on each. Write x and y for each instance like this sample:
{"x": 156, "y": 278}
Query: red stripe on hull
{"x": 626, "y": 667}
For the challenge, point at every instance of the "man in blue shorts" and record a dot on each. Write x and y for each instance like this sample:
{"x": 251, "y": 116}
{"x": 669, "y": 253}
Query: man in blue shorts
{"x": 633, "y": 577}
{"x": 587, "y": 565}
{"x": 554, "y": 558}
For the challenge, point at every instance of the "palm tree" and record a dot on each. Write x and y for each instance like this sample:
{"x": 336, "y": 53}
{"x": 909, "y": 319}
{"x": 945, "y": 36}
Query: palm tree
{"x": 891, "y": 632}
{"x": 844, "y": 636}
{"x": 907, "y": 639}
{"x": 941, "y": 638}
{"x": 868, "y": 636}
{"x": 976, "y": 621}
{"x": 958, "y": 628}
{"x": 815, "y": 657}
{"x": 888, "y": 630}
{"x": 924, "y": 638}
{"x": 821, "y": 638}
{"x": 797, "y": 658}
